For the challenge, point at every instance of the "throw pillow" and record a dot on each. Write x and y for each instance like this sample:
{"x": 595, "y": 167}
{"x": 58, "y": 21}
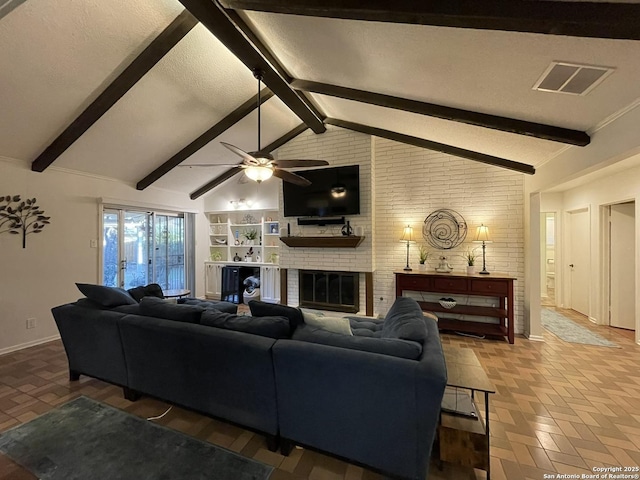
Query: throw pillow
{"x": 151, "y": 290}
{"x": 331, "y": 324}
{"x": 157, "y": 307}
{"x": 106, "y": 296}
{"x": 405, "y": 321}
{"x": 264, "y": 309}
{"x": 272, "y": 327}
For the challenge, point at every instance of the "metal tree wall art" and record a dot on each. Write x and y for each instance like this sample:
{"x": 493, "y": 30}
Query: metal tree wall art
{"x": 21, "y": 217}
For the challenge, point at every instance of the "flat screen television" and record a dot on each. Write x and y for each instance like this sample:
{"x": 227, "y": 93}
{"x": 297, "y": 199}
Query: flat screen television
{"x": 333, "y": 192}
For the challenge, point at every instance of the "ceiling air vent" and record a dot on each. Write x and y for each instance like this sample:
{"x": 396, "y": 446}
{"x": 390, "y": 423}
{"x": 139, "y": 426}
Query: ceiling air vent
{"x": 571, "y": 78}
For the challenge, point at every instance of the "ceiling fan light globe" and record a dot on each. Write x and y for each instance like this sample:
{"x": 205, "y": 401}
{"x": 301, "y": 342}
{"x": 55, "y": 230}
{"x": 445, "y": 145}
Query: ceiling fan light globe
{"x": 258, "y": 173}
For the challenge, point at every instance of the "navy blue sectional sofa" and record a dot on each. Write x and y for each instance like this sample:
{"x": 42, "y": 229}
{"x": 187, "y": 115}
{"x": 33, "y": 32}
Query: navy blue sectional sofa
{"x": 355, "y": 396}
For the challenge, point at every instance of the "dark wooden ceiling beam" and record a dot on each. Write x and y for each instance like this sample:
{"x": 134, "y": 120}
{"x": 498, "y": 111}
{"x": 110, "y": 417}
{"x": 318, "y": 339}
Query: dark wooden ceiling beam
{"x": 438, "y": 147}
{"x": 511, "y": 125}
{"x": 227, "y": 122}
{"x": 144, "y": 62}
{"x": 215, "y": 182}
{"x": 232, "y": 171}
{"x": 230, "y": 30}
{"x": 553, "y": 17}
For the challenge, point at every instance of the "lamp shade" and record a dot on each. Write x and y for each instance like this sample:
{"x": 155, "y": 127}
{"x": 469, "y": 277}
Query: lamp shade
{"x": 259, "y": 173}
{"x": 407, "y": 235}
{"x": 482, "y": 234}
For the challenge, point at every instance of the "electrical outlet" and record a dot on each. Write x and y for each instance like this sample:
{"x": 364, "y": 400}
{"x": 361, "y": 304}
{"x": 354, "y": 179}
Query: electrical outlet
{"x": 93, "y": 243}
{"x": 31, "y": 323}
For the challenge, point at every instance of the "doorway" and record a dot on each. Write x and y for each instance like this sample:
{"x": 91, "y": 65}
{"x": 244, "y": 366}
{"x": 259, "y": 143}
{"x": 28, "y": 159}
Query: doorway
{"x": 622, "y": 254}
{"x": 579, "y": 260}
{"x": 548, "y": 258}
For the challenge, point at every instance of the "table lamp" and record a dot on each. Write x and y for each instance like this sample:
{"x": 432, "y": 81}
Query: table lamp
{"x": 407, "y": 236}
{"x": 482, "y": 236}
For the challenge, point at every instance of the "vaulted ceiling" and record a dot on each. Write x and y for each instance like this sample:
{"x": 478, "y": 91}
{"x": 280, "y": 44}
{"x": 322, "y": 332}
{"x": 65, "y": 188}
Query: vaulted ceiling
{"x": 137, "y": 90}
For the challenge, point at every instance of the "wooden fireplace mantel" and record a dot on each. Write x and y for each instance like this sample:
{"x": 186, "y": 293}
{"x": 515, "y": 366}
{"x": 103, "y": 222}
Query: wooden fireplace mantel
{"x": 342, "y": 241}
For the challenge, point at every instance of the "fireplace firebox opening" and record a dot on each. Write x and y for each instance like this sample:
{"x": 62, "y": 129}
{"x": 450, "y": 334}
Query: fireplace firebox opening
{"x": 328, "y": 290}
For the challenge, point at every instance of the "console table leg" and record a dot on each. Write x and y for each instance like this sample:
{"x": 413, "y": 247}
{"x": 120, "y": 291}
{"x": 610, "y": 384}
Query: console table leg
{"x": 486, "y": 419}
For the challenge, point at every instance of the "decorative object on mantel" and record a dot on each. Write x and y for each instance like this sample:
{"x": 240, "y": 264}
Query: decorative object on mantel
{"x": 444, "y": 229}
{"x": 482, "y": 235}
{"x": 443, "y": 266}
{"x": 423, "y": 255}
{"x": 347, "y": 230}
{"x": 407, "y": 236}
{"x": 24, "y": 218}
{"x": 470, "y": 258}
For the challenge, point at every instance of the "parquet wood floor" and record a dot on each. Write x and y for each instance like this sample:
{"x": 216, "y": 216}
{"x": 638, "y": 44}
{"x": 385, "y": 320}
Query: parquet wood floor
{"x": 559, "y": 408}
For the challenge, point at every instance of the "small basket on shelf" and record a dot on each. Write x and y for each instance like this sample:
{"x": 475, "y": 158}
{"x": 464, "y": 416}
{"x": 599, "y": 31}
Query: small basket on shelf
{"x": 447, "y": 302}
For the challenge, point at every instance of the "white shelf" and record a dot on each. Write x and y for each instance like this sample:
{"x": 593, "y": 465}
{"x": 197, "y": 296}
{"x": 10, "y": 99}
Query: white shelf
{"x": 227, "y": 229}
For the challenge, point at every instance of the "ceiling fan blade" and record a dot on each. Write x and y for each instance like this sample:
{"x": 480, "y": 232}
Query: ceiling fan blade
{"x": 290, "y": 163}
{"x": 291, "y": 177}
{"x": 241, "y": 153}
{"x": 211, "y": 165}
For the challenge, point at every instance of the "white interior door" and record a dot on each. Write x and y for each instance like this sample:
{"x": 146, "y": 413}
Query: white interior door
{"x": 579, "y": 260}
{"x": 622, "y": 272}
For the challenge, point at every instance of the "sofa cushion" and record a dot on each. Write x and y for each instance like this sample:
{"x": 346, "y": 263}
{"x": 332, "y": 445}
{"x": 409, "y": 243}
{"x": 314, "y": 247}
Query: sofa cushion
{"x": 106, "y": 296}
{"x": 271, "y": 326}
{"x": 264, "y": 309}
{"x": 128, "y": 309}
{"x": 331, "y": 324}
{"x": 405, "y": 321}
{"x": 227, "y": 307}
{"x": 157, "y": 307}
{"x": 384, "y": 346}
{"x": 151, "y": 290}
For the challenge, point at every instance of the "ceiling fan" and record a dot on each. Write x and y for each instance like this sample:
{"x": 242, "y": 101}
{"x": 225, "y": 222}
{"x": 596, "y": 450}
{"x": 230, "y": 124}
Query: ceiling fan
{"x": 259, "y": 165}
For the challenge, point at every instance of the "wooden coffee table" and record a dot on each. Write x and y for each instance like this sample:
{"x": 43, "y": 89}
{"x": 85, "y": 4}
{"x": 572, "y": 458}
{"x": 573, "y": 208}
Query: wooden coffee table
{"x": 464, "y": 439}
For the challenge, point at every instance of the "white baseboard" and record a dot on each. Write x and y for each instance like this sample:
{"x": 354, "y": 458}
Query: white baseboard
{"x": 535, "y": 338}
{"x": 32, "y": 343}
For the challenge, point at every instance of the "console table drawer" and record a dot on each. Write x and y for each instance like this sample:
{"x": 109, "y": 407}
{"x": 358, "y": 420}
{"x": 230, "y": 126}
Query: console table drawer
{"x": 410, "y": 282}
{"x": 450, "y": 284}
{"x": 489, "y": 287}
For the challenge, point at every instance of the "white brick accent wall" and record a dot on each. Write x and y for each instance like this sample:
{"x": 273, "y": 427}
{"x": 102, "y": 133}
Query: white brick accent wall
{"x": 339, "y": 147}
{"x": 411, "y": 182}
{"x": 400, "y": 185}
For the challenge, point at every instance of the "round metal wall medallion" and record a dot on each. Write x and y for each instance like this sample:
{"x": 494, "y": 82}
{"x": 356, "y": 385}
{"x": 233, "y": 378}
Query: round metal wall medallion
{"x": 444, "y": 229}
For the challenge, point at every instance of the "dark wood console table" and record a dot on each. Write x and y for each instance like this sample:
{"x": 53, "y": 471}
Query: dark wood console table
{"x": 451, "y": 284}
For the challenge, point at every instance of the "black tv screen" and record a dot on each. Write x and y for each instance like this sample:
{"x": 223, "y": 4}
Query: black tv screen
{"x": 333, "y": 192}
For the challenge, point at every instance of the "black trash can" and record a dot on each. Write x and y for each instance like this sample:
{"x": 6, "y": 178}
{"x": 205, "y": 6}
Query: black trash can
{"x": 231, "y": 285}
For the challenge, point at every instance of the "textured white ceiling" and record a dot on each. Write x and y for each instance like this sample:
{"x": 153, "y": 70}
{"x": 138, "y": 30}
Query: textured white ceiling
{"x": 480, "y": 70}
{"x": 191, "y": 89}
{"x": 277, "y": 120}
{"x": 483, "y": 140}
{"x": 58, "y": 55}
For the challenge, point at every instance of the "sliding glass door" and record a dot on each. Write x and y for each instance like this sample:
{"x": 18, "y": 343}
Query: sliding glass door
{"x": 169, "y": 251}
{"x": 143, "y": 247}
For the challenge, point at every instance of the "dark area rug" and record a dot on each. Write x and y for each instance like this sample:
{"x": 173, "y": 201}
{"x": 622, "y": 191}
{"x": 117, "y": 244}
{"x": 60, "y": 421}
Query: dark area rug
{"x": 84, "y": 439}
